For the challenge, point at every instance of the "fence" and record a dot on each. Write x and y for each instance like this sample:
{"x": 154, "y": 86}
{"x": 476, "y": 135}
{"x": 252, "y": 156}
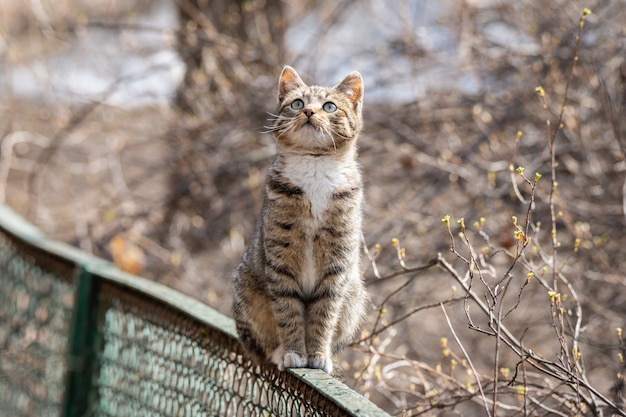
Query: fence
{"x": 80, "y": 338}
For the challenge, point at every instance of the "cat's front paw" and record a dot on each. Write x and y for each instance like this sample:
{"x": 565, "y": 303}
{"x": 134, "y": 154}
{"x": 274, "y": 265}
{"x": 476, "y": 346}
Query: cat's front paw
{"x": 321, "y": 361}
{"x": 290, "y": 360}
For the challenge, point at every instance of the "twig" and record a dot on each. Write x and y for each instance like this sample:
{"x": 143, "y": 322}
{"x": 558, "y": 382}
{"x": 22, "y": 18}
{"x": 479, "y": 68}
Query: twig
{"x": 400, "y": 272}
{"x": 469, "y": 360}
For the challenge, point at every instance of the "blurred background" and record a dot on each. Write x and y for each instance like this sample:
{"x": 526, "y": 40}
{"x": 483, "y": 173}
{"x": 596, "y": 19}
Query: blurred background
{"x": 134, "y": 130}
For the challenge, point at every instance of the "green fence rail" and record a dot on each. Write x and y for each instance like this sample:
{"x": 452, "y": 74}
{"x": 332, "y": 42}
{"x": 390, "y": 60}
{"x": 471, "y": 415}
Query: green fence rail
{"x": 78, "y": 337}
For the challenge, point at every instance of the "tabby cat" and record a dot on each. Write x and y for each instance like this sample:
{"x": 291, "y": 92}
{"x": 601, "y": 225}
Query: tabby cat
{"x": 298, "y": 293}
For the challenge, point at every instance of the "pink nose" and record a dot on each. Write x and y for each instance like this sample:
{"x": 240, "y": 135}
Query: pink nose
{"x": 308, "y": 112}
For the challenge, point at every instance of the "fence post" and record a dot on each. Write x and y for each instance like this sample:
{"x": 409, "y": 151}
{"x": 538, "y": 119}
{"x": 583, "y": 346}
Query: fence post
{"x": 81, "y": 352}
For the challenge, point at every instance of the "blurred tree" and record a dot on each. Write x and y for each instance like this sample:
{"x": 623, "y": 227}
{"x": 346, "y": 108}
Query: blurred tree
{"x": 232, "y": 51}
{"x": 226, "y": 36}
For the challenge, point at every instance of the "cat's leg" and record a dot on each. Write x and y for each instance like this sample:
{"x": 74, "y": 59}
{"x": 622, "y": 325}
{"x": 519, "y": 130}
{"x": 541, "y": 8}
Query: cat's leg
{"x": 322, "y": 317}
{"x": 289, "y": 315}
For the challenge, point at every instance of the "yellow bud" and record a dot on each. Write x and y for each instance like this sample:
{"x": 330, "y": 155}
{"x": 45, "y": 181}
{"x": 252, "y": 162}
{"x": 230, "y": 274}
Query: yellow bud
{"x": 176, "y": 258}
{"x": 394, "y": 243}
{"x": 539, "y": 90}
{"x": 551, "y": 294}
{"x": 444, "y": 342}
{"x": 619, "y": 332}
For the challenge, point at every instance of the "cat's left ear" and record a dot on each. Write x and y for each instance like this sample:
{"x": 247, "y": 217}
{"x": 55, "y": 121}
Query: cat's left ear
{"x": 352, "y": 86}
{"x": 289, "y": 81}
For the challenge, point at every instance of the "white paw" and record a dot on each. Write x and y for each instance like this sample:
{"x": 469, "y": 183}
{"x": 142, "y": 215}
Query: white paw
{"x": 294, "y": 360}
{"x": 323, "y": 362}
{"x": 288, "y": 360}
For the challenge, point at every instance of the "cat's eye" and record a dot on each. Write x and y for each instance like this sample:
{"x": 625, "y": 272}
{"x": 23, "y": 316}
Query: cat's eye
{"x": 297, "y": 104}
{"x": 329, "y": 107}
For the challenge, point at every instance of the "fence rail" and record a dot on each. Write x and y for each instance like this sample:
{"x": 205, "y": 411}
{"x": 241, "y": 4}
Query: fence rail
{"x": 79, "y": 337}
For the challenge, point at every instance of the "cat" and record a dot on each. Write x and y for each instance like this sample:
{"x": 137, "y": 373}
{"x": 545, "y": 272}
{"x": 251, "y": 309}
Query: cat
{"x": 298, "y": 294}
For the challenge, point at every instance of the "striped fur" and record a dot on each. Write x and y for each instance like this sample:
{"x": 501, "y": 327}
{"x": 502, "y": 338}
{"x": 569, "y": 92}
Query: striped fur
{"x": 298, "y": 295}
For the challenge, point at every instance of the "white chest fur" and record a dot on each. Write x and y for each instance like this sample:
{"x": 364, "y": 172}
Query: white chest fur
{"x": 318, "y": 177}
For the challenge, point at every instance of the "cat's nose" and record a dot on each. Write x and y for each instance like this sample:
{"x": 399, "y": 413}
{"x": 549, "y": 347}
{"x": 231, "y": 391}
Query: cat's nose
{"x": 308, "y": 112}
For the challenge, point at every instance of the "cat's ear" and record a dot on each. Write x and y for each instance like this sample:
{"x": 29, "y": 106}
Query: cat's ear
{"x": 352, "y": 86}
{"x": 289, "y": 81}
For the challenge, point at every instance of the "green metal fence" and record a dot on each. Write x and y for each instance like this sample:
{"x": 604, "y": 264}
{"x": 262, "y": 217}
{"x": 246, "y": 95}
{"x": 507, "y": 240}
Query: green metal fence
{"x": 78, "y": 337}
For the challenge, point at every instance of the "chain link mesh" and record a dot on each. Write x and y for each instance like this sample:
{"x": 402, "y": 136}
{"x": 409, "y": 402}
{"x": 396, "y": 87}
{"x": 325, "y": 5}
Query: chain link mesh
{"x": 155, "y": 362}
{"x": 35, "y": 319}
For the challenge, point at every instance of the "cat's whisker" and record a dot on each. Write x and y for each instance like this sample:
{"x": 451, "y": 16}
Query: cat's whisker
{"x": 272, "y": 129}
{"x": 277, "y": 117}
{"x": 338, "y": 134}
{"x": 329, "y": 132}
{"x": 289, "y": 124}
{"x": 281, "y": 133}
{"x": 287, "y": 127}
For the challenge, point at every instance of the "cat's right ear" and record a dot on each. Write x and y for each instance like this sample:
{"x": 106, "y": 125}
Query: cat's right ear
{"x": 289, "y": 81}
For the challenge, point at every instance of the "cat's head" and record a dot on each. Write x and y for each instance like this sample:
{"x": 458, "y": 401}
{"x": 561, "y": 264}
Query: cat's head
{"x": 317, "y": 120}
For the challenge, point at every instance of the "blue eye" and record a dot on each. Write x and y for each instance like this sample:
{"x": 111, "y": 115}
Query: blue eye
{"x": 329, "y": 107}
{"x": 297, "y": 104}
